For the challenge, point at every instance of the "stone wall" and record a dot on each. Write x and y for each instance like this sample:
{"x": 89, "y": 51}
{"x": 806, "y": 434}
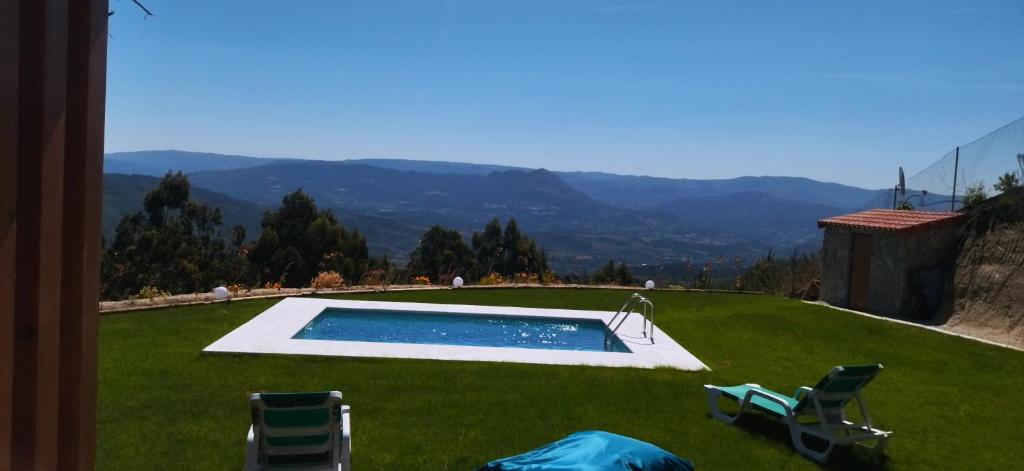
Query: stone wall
{"x": 929, "y": 259}
{"x": 836, "y": 254}
{"x": 908, "y": 270}
{"x": 888, "y": 260}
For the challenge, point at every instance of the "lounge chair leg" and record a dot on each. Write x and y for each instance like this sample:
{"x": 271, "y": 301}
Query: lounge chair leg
{"x": 801, "y": 446}
{"x": 251, "y": 451}
{"x": 716, "y": 412}
{"x": 346, "y": 439}
{"x": 880, "y": 446}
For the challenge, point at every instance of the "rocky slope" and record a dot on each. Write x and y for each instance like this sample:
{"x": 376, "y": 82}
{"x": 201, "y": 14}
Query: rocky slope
{"x": 986, "y": 296}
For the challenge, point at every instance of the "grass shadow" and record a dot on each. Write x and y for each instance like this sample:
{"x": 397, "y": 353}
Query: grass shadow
{"x": 852, "y": 457}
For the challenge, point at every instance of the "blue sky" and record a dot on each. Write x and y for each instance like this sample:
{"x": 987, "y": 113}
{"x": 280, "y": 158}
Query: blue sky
{"x": 837, "y": 90}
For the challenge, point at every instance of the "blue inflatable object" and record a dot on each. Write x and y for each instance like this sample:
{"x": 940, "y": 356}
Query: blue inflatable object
{"x": 593, "y": 451}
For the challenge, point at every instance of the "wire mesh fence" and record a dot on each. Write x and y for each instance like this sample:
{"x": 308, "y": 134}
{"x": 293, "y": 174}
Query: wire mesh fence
{"x": 976, "y": 168}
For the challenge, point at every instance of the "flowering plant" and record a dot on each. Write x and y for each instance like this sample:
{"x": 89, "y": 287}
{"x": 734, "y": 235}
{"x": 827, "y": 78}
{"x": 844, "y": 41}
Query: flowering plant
{"x": 492, "y": 278}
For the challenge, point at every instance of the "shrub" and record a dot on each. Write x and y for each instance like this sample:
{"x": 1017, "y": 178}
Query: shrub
{"x": 551, "y": 278}
{"x": 526, "y": 278}
{"x": 781, "y": 277}
{"x": 1007, "y": 182}
{"x": 375, "y": 277}
{"x": 327, "y": 280}
{"x": 150, "y": 292}
{"x": 975, "y": 194}
{"x": 494, "y": 278}
{"x": 237, "y": 288}
{"x": 421, "y": 280}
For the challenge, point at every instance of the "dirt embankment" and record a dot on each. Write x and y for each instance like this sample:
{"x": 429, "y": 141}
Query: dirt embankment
{"x": 985, "y": 297}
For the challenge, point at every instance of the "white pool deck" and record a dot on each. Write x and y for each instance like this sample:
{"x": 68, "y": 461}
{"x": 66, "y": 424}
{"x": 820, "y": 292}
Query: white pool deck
{"x": 271, "y": 333}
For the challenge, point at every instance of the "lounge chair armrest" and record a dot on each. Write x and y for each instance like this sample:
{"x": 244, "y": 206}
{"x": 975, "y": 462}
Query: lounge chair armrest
{"x": 801, "y": 391}
{"x": 753, "y": 392}
{"x": 346, "y": 438}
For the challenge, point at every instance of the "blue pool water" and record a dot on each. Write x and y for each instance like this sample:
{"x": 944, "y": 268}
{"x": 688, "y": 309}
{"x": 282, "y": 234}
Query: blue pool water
{"x": 481, "y": 330}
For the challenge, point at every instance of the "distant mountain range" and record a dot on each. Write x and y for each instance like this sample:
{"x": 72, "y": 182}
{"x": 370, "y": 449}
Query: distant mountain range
{"x": 581, "y": 218}
{"x": 157, "y": 162}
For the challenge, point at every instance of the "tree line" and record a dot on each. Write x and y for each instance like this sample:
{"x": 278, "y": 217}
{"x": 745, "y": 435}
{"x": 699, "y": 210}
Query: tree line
{"x": 496, "y": 255}
{"x": 176, "y": 245}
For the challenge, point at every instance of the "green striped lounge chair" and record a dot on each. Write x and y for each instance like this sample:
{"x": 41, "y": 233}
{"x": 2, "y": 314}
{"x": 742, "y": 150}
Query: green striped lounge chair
{"x": 308, "y": 431}
{"x": 819, "y": 411}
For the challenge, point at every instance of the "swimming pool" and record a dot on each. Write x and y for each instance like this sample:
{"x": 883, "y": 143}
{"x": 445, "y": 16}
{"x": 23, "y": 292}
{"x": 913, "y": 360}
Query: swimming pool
{"x": 482, "y": 330}
{"x": 452, "y": 332}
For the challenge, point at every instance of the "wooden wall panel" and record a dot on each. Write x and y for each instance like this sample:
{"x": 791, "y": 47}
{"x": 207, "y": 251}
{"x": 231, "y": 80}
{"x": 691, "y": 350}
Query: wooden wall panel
{"x": 52, "y": 99}
{"x": 82, "y": 251}
{"x": 8, "y": 185}
{"x": 41, "y": 117}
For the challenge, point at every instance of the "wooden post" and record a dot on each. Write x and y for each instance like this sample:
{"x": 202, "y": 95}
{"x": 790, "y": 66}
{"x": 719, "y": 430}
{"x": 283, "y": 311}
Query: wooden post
{"x": 41, "y": 111}
{"x": 52, "y": 97}
{"x": 9, "y": 51}
{"x": 82, "y": 251}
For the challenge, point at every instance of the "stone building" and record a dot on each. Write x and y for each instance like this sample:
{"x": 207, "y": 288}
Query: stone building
{"x": 888, "y": 262}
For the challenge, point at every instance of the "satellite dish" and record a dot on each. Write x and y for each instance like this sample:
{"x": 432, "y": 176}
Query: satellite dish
{"x": 903, "y": 183}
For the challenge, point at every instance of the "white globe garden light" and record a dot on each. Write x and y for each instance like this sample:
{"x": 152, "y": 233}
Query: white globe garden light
{"x": 458, "y": 282}
{"x": 649, "y": 284}
{"x": 220, "y": 293}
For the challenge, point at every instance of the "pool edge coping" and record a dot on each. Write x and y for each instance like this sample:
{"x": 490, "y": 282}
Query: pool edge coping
{"x": 270, "y": 332}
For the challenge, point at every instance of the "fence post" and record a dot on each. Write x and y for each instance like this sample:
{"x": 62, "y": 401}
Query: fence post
{"x": 956, "y": 167}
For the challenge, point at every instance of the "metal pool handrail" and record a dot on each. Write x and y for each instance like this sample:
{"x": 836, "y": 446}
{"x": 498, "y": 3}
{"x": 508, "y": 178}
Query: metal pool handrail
{"x": 629, "y": 307}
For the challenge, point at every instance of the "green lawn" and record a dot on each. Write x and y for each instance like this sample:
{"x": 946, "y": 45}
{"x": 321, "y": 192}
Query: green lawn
{"x": 953, "y": 403}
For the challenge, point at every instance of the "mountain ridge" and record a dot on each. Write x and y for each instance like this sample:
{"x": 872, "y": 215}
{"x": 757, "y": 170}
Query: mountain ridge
{"x": 582, "y": 218}
{"x": 188, "y": 161}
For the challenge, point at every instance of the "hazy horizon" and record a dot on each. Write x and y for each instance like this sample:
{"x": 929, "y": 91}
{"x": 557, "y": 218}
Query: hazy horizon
{"x": 271, "y": 157}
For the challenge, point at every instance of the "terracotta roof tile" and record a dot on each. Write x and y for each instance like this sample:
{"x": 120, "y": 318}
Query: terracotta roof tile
{"x": 891, "y": 220}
